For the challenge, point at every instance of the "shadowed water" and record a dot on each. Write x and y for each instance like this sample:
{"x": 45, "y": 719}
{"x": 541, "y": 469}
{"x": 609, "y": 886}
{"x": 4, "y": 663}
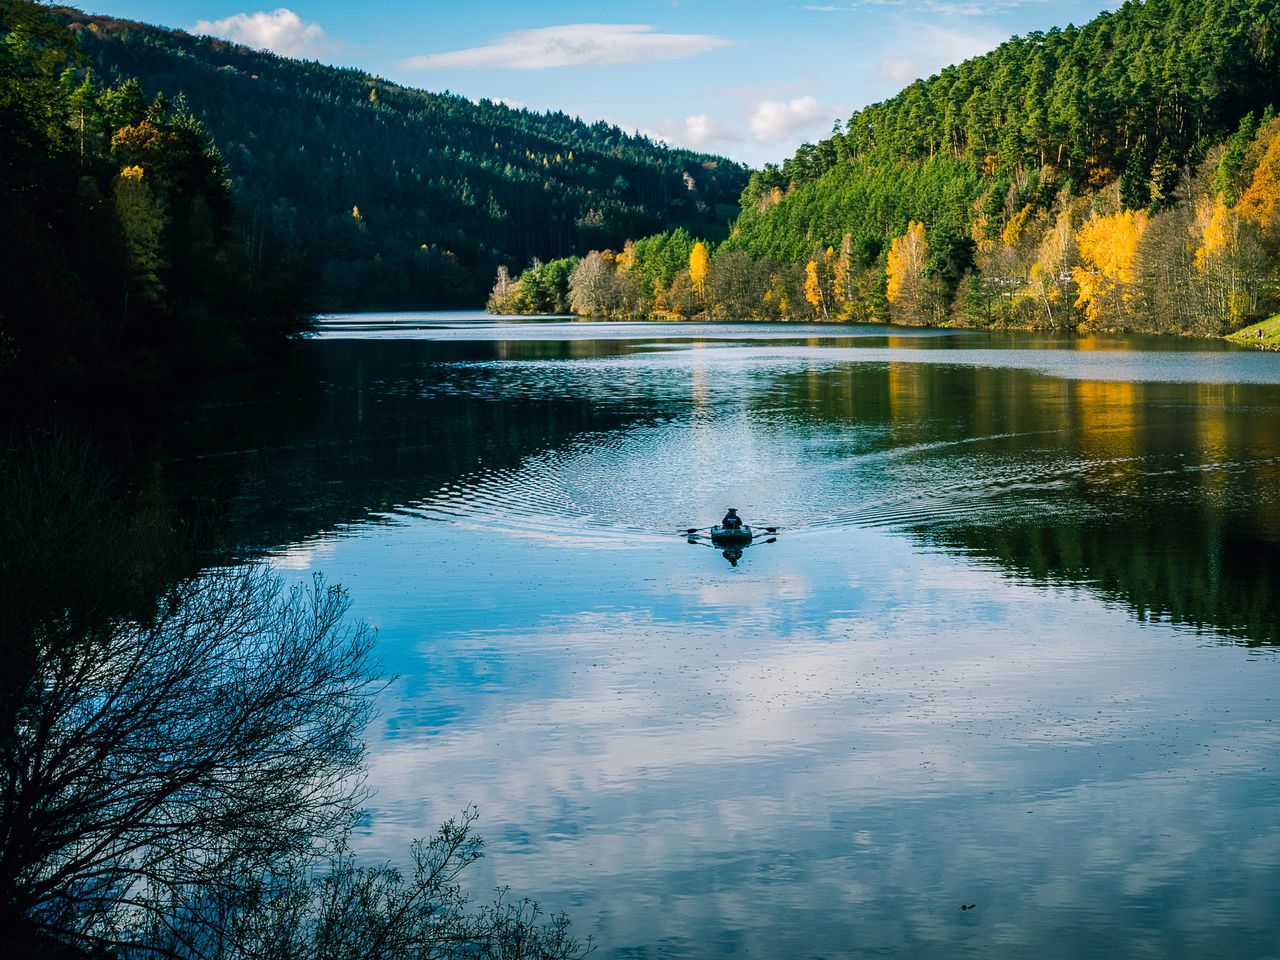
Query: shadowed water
{"x": 1013, "y": 646}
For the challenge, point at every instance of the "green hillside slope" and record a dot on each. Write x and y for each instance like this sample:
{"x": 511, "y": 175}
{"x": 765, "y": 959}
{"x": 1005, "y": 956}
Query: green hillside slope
{"x": 1120, "y": 175}
{"x": 403, "y": 198}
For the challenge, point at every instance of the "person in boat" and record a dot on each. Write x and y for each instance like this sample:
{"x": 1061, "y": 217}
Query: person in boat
{"x": 731, "y": 520}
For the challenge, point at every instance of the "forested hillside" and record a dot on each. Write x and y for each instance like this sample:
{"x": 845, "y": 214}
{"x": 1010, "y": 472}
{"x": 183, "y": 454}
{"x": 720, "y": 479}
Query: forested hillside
{"x": 124, "y": 261}
{"x": 1122, "y": 174}
{"x": 401, "y": 198}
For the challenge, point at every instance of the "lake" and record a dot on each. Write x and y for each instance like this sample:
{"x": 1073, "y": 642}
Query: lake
{"x": 1014, "y": 644}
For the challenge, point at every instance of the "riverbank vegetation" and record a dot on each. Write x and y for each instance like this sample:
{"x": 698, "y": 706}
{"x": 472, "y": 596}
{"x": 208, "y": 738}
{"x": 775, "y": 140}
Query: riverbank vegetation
{"x": 1120, "y": 175}
{"x": 1265, "y": 334}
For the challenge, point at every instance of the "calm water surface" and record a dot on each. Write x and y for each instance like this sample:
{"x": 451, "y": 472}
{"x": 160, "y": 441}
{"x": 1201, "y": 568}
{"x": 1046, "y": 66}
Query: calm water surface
{"x": 1014, "y": 646}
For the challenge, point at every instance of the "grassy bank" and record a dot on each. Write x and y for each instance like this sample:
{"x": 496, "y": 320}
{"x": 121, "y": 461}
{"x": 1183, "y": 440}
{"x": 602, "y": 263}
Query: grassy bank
{"x": 1265, "y": 334}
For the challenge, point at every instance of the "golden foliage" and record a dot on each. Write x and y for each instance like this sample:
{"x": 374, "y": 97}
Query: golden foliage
{"x": 812, "y": 288}
{"x": 1012, "y": 232}
{"x": 1261, "y": 201}
{"x": 982, "y": 236}
{"x": 147, "y": 145}
{"x": 1215, "y": 224}
{"x": 1050, "y": 273}
{"x": 626, "y": 258}
{"x": 1108, "y": 250}
{"x": 907, "y": 256}
{"x": 699, "y": 263}
{"x": 842, "y": 278}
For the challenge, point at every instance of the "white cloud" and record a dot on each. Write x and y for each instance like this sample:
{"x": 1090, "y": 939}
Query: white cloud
{"x": 953, "y": 46}
{"x": 281, "y": 31}
{"x": 771, "y": 120}
{"x": 935, "y": 48}
{"x": 899, "y": 69}
{"x": 698, "y": 131}
{"x": 573, "y": 45}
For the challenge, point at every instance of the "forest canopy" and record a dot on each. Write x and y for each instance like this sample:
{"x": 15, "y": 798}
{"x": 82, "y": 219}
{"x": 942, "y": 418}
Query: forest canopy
{"x": 401, "y": 198}
{"x": 1116, "y": 175}
{"x": 125, "y": 255}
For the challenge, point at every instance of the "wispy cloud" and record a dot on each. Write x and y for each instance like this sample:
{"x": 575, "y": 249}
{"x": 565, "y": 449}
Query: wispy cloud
{"x": 955, "y": 8}
{"x": 698, "y": 131}
{"x": 573, "y": 45}
{"x": 281, "y": 31}
{"x": 772, "y": 120}
{"x": 899, "y": 69}
{"x": 935, "y": 47}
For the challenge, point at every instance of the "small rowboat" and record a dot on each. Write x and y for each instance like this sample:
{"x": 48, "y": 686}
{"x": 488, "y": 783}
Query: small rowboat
{"x": 731, "y": 534}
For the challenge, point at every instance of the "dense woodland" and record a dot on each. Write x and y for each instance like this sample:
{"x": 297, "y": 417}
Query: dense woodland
{"x": 123, "y": 255}
{"x": 1120, "y": 175}
{"x": 183, "y": 732}
{"x": 400, "y": 198}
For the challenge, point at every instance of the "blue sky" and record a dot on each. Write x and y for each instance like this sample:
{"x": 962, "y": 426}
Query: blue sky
{"x": 748, "y": 78}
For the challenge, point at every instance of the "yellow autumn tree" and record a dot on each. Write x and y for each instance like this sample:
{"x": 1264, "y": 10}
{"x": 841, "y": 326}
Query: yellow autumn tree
{"x": 626, "y": 258}
{"x": 907, "y": 257}
{"x": 813, "y": 287}
{"x": 914, "y": 296}
{"x": 1050, "y": 273}
{"x": 699, "y": 262}
{"x": 1013, "y": 230}
{"x": 842, "y": 278}
{"x": 1108, "y": 254}
{"x": 1213, "y": 227}
{"x": 1261, "y": 201}
{"x": 983, "y": 236}
{"x": 1227, "y": 259}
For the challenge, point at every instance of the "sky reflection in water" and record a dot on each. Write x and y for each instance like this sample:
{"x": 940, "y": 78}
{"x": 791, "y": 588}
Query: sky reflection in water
{"x": 1004, "y": 652}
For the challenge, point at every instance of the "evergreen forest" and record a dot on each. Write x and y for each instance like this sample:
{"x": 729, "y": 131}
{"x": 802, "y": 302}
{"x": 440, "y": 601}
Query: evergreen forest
{"x": 1120, "y": 175}
{"x": 398, "y": 198}
{"x": 125, "y": 255}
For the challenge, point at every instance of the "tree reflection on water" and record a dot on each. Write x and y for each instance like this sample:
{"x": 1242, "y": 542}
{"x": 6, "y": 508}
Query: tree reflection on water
{"x": 183, "y": 750}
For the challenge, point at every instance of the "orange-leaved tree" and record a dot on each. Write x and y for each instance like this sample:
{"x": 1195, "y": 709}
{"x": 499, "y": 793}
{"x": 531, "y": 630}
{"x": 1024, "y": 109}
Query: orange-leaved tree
{"x": 1260, "y": 203}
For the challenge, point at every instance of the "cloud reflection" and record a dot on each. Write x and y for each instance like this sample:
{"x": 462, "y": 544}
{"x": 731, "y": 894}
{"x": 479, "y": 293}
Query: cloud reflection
{"x": 965, "y": 737}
